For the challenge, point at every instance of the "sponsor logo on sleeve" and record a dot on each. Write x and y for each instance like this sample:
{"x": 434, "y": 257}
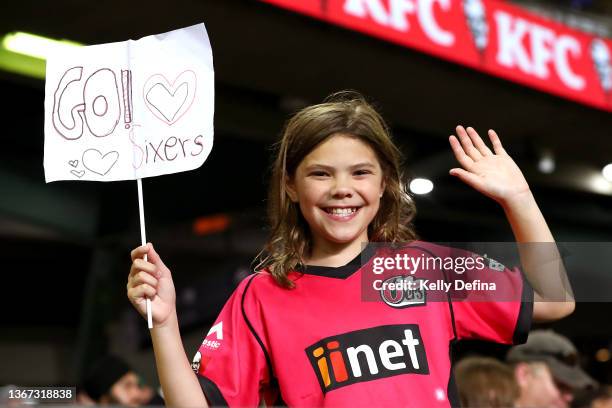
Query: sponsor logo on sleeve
{"x": 211, "y": 342}
{"x": 214, "y": 337}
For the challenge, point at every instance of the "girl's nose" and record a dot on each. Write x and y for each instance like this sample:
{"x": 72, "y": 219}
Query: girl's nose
{"x": 342, "y": 188}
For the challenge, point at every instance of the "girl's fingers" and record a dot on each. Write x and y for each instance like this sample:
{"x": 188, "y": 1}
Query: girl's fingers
{"x": 154, "y": 256}
{"x": 467, "y": 177}
{"x": 464, "y": 160}
{"x": 143, "y": 277}
{"x": 140, "y": 291}
{"x": 467, "y": 145}
{"x": 138, "y": 253}
{"x": 142, "y": 265}
{"x": 497, "y": 146}
{"x": 478, "y": 142}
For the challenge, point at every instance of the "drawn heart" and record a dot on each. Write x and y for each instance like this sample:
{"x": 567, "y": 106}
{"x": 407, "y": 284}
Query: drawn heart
{"x": 78, "y": 173}
{"x": 169, "y": 101}
{"x": 94, "y": 161}
{"x": 73, "y": 163}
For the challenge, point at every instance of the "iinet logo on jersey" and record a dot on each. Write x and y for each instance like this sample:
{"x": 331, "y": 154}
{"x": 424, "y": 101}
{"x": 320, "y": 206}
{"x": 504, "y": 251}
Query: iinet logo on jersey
{"x": 369, "y": 354}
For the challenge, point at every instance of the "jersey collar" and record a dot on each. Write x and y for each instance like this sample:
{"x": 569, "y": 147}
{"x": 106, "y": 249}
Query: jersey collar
{"x": 340, "y": 272}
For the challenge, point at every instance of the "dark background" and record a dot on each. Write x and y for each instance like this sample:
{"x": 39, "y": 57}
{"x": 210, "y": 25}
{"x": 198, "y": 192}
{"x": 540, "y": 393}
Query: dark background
{"x": 64, "y": 246}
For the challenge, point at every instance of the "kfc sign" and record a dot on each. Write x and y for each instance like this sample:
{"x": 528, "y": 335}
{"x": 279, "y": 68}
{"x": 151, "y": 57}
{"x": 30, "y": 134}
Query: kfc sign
{"x": 488, "y": 35}
{"x": 397, "y": 19}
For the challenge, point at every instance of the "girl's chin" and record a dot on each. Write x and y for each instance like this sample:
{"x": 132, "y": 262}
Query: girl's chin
{"x": 344, "y": 238}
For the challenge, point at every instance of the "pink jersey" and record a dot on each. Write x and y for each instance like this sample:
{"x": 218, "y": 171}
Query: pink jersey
{"x": 323, "y": 343}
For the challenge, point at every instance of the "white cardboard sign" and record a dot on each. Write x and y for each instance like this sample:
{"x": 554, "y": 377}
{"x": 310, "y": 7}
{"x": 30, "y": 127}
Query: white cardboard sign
{"x": 131, "y": 109}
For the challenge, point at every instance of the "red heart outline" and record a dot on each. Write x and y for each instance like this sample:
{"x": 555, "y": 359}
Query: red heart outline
{"x": 170, "y": 86}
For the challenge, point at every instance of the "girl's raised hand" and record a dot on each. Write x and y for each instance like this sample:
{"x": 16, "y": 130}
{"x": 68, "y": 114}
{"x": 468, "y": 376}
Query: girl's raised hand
{"x": 151, "y": 279}
{"x": 492, "y": 173}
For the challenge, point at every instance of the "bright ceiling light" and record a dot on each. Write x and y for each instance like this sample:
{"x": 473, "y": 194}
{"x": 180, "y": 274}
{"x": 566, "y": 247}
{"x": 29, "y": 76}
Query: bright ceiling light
{"x": 598, "y": 184}
{"x": 546, "y": 164}
{"x": 421, "y": 186}
{"x": 607, "y": 172}
{"x": 34, "y": 45}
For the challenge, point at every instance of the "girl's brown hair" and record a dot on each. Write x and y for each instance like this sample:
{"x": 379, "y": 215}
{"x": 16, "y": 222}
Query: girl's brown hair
{"x": 345, "y": 113}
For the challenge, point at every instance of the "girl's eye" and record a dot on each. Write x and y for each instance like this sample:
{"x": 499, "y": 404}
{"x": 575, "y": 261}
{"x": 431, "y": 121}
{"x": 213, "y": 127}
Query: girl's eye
{"x": 362, "y": 172}
{"x": 318, "y": 173}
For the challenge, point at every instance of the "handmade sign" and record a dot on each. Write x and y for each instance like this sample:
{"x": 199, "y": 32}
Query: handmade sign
{"x": 130, "y": 110}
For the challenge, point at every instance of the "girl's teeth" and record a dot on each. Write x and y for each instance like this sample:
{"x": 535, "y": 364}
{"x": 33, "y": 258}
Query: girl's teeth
{"x": 343, "y": 211}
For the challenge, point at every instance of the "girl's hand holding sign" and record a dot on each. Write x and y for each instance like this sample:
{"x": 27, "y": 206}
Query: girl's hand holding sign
{"x": 151, "y": 279}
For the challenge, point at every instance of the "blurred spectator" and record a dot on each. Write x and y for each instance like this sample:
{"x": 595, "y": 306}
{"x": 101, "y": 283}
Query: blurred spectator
{"x": 111, "y": 381}
{"x": 485, "y": 382}
{"x": 82, "y": 398}
{"x": 547, "y": 370}
{"x": 596, "y": 398}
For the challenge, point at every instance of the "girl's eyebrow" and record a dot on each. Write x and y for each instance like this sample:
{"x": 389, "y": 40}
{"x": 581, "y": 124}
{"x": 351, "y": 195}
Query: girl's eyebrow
{"x": 364, "y": 164}
{"x": 354, "y": 166}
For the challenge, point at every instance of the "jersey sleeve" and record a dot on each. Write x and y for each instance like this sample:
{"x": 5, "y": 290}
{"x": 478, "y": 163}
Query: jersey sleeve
{"x": 231, "y": 363}
{"x": 492, "y": 303}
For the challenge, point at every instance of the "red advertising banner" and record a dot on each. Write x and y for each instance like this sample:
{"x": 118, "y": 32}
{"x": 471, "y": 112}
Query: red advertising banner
{"x": 487, "y": 35}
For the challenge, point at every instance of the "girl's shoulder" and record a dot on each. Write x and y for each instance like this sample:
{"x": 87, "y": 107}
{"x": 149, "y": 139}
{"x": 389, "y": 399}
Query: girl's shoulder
{"x": 260, "y": 289}
{"x": 260, "y": 281}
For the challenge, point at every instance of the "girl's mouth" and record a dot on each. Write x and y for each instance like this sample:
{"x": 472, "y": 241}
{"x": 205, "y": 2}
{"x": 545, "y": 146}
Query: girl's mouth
{"x": 341, "y": 213}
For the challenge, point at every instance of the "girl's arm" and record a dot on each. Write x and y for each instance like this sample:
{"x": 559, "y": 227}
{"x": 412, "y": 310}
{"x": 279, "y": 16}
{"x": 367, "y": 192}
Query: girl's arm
{"x": 497, "y": 176}
{"x": 540, "y": 258}
{"x": 153, "y": 279}
{"x": 179, "y": 383}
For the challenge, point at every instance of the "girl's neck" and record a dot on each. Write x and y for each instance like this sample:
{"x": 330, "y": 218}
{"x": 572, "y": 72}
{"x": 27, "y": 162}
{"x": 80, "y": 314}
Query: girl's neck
{"x": 326, "y": 253}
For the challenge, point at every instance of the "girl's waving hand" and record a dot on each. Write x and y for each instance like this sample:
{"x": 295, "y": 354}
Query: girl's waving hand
{"x": 492, "y": 173}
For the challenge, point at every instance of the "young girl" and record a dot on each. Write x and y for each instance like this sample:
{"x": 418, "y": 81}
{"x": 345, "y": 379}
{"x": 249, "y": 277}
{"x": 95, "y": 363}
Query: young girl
{"x": 297, "y": 331}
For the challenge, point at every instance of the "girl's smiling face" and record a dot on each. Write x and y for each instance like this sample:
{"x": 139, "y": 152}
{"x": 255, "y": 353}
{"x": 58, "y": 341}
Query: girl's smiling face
{"x": 338, "y": 186}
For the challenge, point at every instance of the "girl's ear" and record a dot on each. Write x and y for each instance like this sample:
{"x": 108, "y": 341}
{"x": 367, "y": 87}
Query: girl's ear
{"x": 382, "y": 187}
{"x": 290, "y": 188}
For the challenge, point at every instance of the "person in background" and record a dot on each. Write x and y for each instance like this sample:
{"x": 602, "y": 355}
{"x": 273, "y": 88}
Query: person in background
{"x": 547, "y": 370}
{"x": 111, "y": 381}
{"x": 485, "y": 382}
{"x": 595, "y": 398}
{"x": 82, "y": 398}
